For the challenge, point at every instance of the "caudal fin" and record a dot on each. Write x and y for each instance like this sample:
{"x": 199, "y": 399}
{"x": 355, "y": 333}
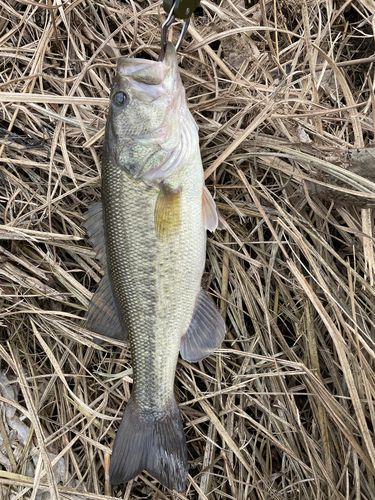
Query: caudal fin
{"x": 155, "y": 443}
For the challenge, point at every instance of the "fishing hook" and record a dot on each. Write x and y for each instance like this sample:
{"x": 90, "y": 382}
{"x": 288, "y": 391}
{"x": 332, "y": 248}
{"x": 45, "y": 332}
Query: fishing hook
{"x": 167, "y": 24}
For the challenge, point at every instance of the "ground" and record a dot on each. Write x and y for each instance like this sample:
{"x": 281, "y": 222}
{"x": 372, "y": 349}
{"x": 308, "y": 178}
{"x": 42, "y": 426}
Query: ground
{"x": 283, "y": 93}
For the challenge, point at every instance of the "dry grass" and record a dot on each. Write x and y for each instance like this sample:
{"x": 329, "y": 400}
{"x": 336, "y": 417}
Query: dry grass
{"x": 283, "y": 92}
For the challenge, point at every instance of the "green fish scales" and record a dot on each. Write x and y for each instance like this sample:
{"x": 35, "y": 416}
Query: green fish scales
{"x": 150, "y": 234}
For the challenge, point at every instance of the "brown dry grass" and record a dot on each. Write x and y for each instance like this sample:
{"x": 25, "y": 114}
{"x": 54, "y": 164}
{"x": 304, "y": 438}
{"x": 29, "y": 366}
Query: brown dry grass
{"x": 282, "y": 91}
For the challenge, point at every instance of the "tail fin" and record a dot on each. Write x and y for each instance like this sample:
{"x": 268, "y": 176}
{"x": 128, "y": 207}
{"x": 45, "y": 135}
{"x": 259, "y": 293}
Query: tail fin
{"x": 155, "y": 443}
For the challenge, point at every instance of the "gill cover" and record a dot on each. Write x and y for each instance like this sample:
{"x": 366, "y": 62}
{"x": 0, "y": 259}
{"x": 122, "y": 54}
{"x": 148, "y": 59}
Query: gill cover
{"x": 149, "y": 128}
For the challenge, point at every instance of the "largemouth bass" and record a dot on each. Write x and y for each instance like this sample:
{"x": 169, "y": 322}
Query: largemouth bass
{"x": 150, "y": 233}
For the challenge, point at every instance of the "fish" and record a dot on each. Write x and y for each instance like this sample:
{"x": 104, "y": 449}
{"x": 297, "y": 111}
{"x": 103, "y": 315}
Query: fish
{"x": 150, "y": 231}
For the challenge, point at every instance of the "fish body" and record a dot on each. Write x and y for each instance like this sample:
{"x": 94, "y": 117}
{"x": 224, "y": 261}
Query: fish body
{"x": 150, "y": 232}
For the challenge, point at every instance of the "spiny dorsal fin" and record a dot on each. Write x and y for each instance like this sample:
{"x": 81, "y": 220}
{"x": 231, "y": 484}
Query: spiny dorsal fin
{"x": 95, "y": 229}
{"x": 206, "y": 330}
{"x": 167, "y": 211}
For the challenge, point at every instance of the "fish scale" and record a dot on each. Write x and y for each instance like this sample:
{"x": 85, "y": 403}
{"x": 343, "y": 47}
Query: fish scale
{"x": 154, "y": 280}
{"x": 150, "y": 233}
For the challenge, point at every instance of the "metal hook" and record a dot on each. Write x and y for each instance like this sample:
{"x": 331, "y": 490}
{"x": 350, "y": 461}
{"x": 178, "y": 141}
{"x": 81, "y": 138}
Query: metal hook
{"x": 183, "y": 32}
{"x": 165, "y": 27}
{"x": 164, "y": 31}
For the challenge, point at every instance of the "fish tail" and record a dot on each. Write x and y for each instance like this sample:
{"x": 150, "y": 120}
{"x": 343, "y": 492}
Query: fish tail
{"x": 152, "y": 442}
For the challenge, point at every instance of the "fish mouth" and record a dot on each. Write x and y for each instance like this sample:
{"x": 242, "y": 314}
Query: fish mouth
{"x": 147, "y": 71}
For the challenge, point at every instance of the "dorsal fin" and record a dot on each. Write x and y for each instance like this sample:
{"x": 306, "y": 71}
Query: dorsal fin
{"x": 102, "y": 316}
{"x": 94, "y": 226}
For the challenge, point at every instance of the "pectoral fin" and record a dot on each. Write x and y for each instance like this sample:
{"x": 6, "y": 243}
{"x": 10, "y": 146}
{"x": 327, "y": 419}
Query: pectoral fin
{"x": 210, "y": 214}
{"x": 206, "y": 330}
{"x": 102, "y": 316}
{"x": 95, "y": 229}
{"x": 167, "y": 211}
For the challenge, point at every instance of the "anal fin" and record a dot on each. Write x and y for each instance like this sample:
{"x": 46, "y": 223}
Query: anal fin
{"x": 206, "y": 330}
{"x": 102, "y": 316}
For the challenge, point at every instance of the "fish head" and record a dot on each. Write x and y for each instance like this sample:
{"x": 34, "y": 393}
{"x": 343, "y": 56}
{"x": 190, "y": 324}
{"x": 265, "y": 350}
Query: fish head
{"x": 146, "y": 107}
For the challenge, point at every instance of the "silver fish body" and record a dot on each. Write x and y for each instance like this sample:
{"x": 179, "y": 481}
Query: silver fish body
{"x": 151, "y": 235}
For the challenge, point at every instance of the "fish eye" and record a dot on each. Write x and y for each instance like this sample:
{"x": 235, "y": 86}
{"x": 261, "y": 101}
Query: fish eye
{"x": 120, "y": 98}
